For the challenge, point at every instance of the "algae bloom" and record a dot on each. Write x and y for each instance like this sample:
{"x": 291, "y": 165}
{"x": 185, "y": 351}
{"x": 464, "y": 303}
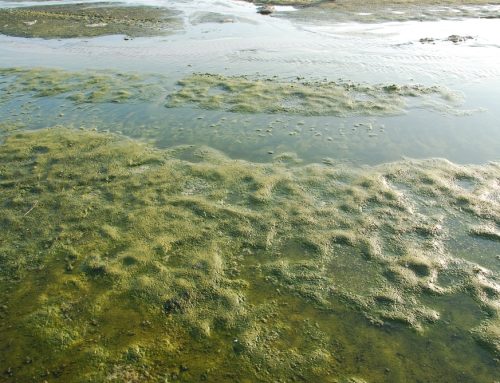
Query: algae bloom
{"x": 321, "y": 98}
{"x": 122, "y": 262}
{"x": 87, "y": 20}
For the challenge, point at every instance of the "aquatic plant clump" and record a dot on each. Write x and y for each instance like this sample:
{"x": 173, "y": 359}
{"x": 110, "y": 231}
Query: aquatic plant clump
{"x": 87, "y": 20}
{"x": 252, "y": 95}
{"x": 121, "y": 262}
{"x": 80, "y": 87}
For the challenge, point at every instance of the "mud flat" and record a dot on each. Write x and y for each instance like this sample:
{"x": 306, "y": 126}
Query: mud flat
{"x": 387, "y": 10}
{"x": 360, "y": 3}
{"x": 122, "y": 262}
{"x": 87, "y": 20}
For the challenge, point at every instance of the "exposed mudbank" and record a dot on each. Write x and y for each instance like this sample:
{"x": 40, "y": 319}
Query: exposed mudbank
{"x": 455, "y": 39}
{"x": 87, "y": 20}
{"x": 374, "y": 3}
{"x": 311, "y": 11}
{"x": 272, "y": 95}
{"x": 119, "y": 262}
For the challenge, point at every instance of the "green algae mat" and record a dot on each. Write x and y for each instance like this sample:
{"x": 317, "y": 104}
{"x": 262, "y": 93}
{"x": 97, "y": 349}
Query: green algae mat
{"x": 120, "y": 262}
{"x": 238, "y": 94}
{"x": 323, "y": 98}
{"x": 80, "y": 87}
{"x": 87, "y": 20}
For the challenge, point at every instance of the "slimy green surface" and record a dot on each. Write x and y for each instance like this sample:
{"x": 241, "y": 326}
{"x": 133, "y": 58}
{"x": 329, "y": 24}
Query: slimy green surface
{"x": 247, "y": 95}
{"x": 80, "y": 87}
{"x": 122, "y": 262}
{"x": 237, "y": 94}
{"x": 193, "y": 191}
{"x": 86, "y": 20}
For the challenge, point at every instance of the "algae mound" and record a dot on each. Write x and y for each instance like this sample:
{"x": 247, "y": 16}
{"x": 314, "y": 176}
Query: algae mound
{"x": 235, "y": 94}
{"x": 323, "y": 98}
{"x": 80, "y": 87}
{"x": 121, "y": 262}
{"x": 87, "y": 20}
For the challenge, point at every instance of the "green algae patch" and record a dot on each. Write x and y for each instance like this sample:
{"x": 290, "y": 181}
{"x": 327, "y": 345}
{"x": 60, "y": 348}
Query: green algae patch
{"x": 489, "y": 335}
{"x": 87, "y": 20}
{"x": 122, "y": 262}
{"x": 487, "y": 232}
{"x": 323, "y": 98}
{"x": 81, "y": 87}
{"x": 234, "y": 94}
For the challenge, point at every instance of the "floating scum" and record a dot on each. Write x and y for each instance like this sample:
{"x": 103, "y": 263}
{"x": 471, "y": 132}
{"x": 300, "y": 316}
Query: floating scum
{"x": 122, "y": 262}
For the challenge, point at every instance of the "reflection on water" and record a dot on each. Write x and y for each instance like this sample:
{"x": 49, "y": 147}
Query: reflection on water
{"x": 420, "y": 133}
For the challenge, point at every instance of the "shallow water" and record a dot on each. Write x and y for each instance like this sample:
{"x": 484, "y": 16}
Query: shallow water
{"x": 353, "y": 270}
{"x": 372, "y": 53}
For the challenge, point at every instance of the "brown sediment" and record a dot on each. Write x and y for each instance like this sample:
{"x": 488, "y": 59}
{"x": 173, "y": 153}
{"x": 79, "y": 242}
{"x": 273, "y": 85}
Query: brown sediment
{"x": 360, "y": 3}
{"x": 385, "y": 10}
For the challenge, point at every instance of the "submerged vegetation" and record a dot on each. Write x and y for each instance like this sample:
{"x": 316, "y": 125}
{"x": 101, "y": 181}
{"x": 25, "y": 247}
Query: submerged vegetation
{"x": 249, "y": 95}
{"x": 234, "y": 94}
{"x": 121, "y": 262}
{"x": 87, "y": 20}
{"x": 80, "y": 87}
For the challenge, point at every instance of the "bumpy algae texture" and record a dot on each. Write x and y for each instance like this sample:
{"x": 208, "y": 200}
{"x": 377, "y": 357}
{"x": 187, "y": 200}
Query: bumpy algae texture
{"x": 81, "y": 87}
{"x": 121, "y": 262}
{"x": 87, "y": 20}
{"x": 235, "y": 94}
{"x": 273, "y": 95}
